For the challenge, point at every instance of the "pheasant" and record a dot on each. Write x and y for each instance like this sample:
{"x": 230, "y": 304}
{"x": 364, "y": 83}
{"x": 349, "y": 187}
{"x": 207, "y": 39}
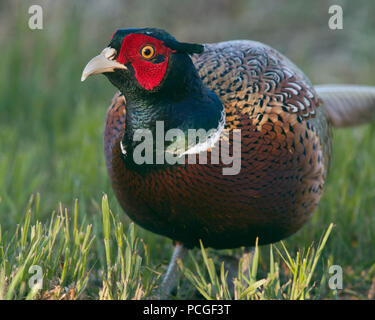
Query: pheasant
{"x": 244, "y": 91}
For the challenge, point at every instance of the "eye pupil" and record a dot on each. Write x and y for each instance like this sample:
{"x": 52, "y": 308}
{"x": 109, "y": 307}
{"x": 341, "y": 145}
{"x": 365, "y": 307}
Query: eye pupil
{"x": 147, "y": 52}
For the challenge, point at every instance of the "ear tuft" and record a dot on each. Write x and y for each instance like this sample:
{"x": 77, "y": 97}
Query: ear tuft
{"x": 188, "y": 48}
{"x": 191, "y": 48}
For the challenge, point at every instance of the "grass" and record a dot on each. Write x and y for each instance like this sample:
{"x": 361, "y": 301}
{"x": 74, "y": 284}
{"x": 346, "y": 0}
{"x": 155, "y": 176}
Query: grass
{"x": 247, "y": 285}
{"x": 51, "y": 154}
{"x": 65, "y": 252}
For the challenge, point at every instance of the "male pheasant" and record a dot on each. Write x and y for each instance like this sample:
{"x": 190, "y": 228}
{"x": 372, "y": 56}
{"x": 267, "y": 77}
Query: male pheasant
{"x": 284, "y": 126}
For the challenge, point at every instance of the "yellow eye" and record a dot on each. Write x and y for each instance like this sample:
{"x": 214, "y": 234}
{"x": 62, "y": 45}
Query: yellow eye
{"x": 147, "y": 52}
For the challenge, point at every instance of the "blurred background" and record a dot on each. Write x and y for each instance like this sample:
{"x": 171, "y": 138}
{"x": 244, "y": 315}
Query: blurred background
{"x": 51, "y": 124}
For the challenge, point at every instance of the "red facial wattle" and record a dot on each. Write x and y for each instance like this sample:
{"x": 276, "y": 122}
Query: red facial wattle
{"x": 149, "y": 74}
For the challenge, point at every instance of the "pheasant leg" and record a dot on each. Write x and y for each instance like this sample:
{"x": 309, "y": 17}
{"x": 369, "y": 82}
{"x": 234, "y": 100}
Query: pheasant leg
{"x": 170, "y": 278}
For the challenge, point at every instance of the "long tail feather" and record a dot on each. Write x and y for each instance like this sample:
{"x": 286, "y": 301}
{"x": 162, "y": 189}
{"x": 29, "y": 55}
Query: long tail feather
{"x": 348, "y": 105}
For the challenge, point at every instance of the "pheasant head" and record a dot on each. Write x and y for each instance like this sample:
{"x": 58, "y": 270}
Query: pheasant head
{"x": 144, "y": 60}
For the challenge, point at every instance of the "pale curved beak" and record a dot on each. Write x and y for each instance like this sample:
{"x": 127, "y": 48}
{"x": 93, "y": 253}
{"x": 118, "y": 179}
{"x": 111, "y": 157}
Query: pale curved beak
{"x": 104, "y": 62}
